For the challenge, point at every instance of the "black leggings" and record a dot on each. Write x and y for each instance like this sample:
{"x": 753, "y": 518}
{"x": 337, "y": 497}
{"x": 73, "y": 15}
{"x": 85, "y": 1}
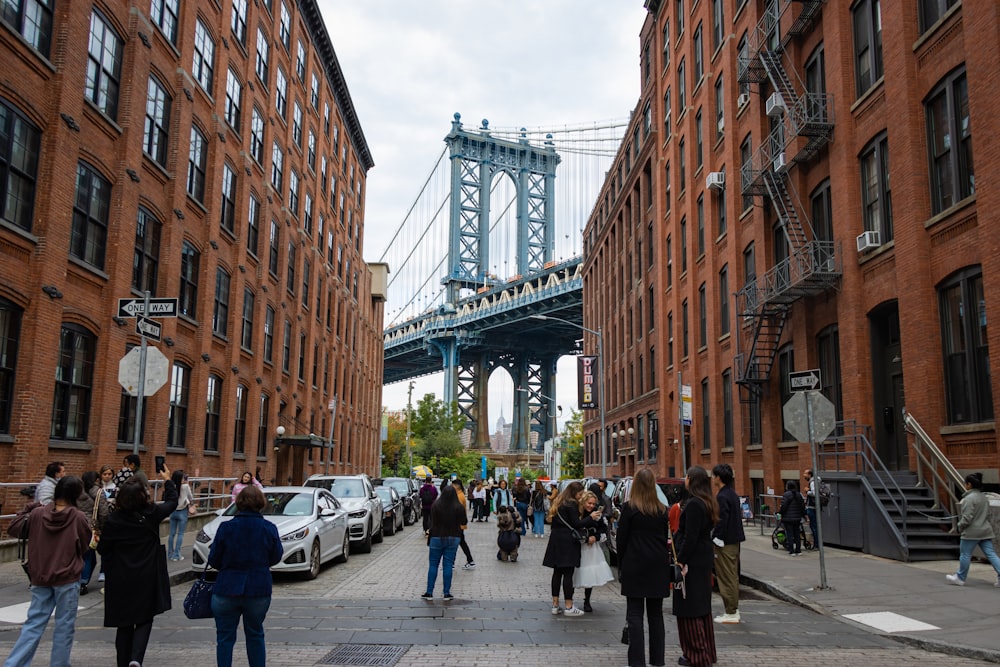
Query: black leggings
{"x": 563, "y": 575}
{"x": 131, "y": 642}
{"x": 465, "y": 548}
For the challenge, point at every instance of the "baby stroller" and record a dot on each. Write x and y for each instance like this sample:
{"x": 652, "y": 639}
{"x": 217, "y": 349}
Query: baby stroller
{"x": 508, "y": 534}
{"x": 778, "y": 537}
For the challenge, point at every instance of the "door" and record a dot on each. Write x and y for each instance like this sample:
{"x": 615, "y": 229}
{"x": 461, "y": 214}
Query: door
{"x": 887, "y": 387}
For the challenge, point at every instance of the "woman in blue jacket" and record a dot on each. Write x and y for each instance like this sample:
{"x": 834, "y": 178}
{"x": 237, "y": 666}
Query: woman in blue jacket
{"x": 243, "y": 552}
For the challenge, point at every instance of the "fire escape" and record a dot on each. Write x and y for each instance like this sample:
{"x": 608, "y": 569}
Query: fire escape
{"x": 802, "y": 123}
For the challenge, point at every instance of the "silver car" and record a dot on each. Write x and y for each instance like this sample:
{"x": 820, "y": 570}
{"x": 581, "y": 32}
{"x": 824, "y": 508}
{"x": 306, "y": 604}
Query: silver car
{"x": 311, "y": 522}
{"x": 357, "y": 494}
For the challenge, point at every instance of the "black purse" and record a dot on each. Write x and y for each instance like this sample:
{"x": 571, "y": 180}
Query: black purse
{"x": 579, "y": 537}
{"x": 198, "y": 601}
{"x": 625, "y": 635}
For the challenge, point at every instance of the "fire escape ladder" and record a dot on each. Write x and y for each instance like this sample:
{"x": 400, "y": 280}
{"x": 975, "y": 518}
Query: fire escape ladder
{"x": 785, "y": 207}
{"x": 764, "y": 337}
{"x": 782, "y": 84}
{"x": 806, "y": 18}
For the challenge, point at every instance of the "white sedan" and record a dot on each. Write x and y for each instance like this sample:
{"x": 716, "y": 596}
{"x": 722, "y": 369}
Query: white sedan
{"x": 311, "y": 522}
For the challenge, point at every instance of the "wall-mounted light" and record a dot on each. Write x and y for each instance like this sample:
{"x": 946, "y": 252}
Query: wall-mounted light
{"x": 120, "y": 321}
{"x": 206, "y": 357}
{"x": 52, "y": 291}
{"x": 235, "y": 370}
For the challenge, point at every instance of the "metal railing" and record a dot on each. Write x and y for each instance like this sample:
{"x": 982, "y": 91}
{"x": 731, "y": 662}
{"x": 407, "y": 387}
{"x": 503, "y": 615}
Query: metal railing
{"x": 934, "y": 469}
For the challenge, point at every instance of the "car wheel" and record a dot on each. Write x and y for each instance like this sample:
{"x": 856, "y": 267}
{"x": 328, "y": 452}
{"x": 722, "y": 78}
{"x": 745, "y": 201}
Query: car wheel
{"x": 366, "y": 544}
{"x": 377, "y": 538}
{"x": 392, "y": 525}
{"x": 412, "y": 516}
{"x": 314, "y": 561}
{"x": 345, "y": 549}
{"x": 402, "y": 524}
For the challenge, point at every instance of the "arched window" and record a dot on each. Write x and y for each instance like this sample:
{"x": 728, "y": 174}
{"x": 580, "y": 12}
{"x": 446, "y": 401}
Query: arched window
{"x": 74, "y": 383}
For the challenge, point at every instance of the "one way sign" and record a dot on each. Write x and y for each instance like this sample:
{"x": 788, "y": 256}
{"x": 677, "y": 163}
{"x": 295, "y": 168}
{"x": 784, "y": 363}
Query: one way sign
{"x": 157, "y": 308}
{"x": 148, "y": 328}
{"x": 804, "y": 380}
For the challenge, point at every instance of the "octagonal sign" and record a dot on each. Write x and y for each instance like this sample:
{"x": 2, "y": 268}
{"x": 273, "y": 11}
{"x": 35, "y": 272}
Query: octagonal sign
{"x": 824, "y": 416}
{"x": 157, "y": 371}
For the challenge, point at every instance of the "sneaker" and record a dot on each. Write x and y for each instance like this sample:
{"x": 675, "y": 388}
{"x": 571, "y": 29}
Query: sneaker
{"x": 556, "y": 611}
{"x": 997, "y": 584}
{"x": 953, "y": 579}
{"x": 427, "y": 596}
{"x": 469, "y": 566}
{"x": 573, "y": 611}
{"x": 83, "y": 589}
{"x": 587, "y": 608}
{"x": 179, "y": 557}
{"x": 449, "y": 596}
{"x": 728, "y": 618}
{"x": 134, "y": 663}
{"x": 100, "y": 577}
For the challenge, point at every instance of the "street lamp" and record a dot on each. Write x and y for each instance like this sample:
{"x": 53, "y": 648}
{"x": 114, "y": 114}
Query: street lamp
{"x": 600, "y": 386}
{"x": 280, "y": 431}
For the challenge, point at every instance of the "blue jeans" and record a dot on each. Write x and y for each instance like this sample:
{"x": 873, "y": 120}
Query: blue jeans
{"x": 178, "y": 524}
{"x": 442, "y": 547}
{"x": 44, "y": 599}
{"x": 227, "y": 611}
{"x": 89, "y": 563}
{"x": 811, "y": 513}
{"x": 522, "y": 509}
{"x": 538, "y": 527}
{"x": 965, "y": 556}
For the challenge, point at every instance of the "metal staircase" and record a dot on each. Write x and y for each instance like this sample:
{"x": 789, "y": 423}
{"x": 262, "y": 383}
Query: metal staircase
{"x": 806, "y": 124}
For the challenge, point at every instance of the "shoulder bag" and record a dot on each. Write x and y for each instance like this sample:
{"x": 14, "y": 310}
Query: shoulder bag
{"x": 95, "y": 535}
{"x": 198, "y": 601}
{"x": 581, "y": 538}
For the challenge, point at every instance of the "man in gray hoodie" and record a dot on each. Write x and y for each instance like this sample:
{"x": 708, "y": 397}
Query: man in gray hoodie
{"x": 53, "y": 473}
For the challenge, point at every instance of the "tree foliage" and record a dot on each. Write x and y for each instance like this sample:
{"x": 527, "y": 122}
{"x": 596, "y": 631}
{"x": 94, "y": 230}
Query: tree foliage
{"x": 572, "y": 456}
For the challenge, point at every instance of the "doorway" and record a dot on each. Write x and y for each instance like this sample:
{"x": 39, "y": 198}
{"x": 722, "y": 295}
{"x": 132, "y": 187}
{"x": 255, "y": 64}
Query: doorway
{"x": 888, "y": 397}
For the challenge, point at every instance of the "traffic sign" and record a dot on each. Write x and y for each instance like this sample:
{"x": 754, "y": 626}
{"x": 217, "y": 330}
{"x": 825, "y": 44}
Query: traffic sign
{"x": 804, "y": 380}
{"x": 164, "y": 307}
{"x": 796, "y": 414}
{"x": 686, "y": 412}
{"x": 148, "y": 328}
{"x": 157, "y": 370}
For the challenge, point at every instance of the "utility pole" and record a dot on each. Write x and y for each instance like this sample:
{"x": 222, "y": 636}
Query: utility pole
{"x": 409, "y": 416}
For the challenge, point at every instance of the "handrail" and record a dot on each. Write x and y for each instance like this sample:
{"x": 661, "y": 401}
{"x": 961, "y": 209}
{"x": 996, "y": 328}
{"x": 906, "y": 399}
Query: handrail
{"x": 934, "y": 468}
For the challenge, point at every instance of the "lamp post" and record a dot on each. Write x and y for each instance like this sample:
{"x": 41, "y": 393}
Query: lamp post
{"x": 409, "y": 416}
{"x": 600, "y": 387}
{"x": 280, "y": 432}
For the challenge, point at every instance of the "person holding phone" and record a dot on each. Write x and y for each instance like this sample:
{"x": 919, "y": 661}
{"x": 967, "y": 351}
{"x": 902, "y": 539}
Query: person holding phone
{"x": 246, "y": 479}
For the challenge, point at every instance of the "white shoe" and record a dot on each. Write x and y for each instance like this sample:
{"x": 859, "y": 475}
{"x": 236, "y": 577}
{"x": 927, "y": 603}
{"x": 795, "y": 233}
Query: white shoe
{"x": 953, "y": 579}
{"x": 728, "y": 618}
{"x": 556, "y": 611}
{"x": 573, "y": 611}
{"x": 100, "y": 577}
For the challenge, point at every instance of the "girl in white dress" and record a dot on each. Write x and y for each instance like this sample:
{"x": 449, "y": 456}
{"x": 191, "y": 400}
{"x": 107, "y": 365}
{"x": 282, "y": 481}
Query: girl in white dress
{"x": 594, "y": 569}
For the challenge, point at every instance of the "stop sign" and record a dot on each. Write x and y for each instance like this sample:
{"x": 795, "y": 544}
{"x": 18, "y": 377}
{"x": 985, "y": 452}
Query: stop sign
{"x": 157, "y": 368}
{"x": 824, "y": 416}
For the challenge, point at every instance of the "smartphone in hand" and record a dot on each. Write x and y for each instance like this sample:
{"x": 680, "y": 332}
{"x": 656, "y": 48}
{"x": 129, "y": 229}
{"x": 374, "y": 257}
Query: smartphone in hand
{"x": 161, "y": 463}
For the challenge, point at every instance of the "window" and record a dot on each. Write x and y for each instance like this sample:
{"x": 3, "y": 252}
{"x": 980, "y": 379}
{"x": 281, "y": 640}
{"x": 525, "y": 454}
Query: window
{"x": 253, "y": 227}
{"x": 204, "y": 56}
{"x": 263, "y": 432}
{"x": 10, "y": 335}
{"x": 281, "y": 93}
{"x": 293, "y": 192}
{"x": 670, "y": 339}
{"x": 302, "y": 357}
{"x": 180, "y": 392}
{"x": 305, "y": 283}
{"x": 743, "y": 62}
{"x": 701, "y": 224}
{"x": 680, "y": 17}
{"x": 746, "y": 155}
{"x": 189, "y": 280}
{"x": 104, "y": 65}
{"x": 699, "y": 56}
{"x": 307, "y": 215}
{"x": 19, "y": 150}
{"x": 157, "y": 120}
{"x": 684, "y": 246}
{"x": 821, "y": 210}
{"x": 273, "y": 245}
{"x": 300, "y": 62}
{"x": 240, "y": 426}
{"x": 277, "y": 167}
{"x": 286, "y": 347}
{"x": 257, "y": 136}
{"x": 931, "y": 11}
{"x": 228, "y": 213}
{"x": 285, "y": 29}
{"x": 667, "y": 129}
{"x": 234, "y": 101}
{"x": 706, "y": 421}
{"x": 666, "y": 43}
{"x": 246, "y": 334}
{"x": 721, "y": 223}
{"x": 290, "y": 274}
{"x": 127, "y": 408}
{"x": 213, "y": 413}
{"x": 724, "y": 300}
{"x": 875, "y": 193}
{"x": 32, "y": 19}
{"x": 966, "y": 348}
{"x": 684, "y": 329}
{"x": 727, "y": 408}
{"x": 702, "y": 316}
{"x": 239, "y": 21}
{"x": 269, "y": 335}
{"x": 311, "y": 151}
{"x": 786, "y": 364}
{"x": 263, "y": 55}
{"x": 297, "y": 125}
{"x": 74, "y": 380}
{"x": 718, "y": 24}
{"x": 314, "y": 92}
{"x": 326, "y": 119}
{"x": 146, "y": 259}
{"x": 749, "y": 265}
{"x": 90, "y": 216}
{"x": 720, "y": 108}
{"x": 220, "y": 310}
{"x": 666, "y": 180}
{"x": 681, "y": 89}
{"x": 682, "y": 164}
{"x": 816, "y": 85}
{"x": 164, "y": 16}
{"x": 828, "y": 350}
{"x": 197, "y": 159}
{"x": 949, "y": 141}
{"x": 867, "y": 15}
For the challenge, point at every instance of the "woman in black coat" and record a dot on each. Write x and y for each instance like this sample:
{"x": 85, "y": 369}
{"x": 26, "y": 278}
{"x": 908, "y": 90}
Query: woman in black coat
{"x": 643, "y": 567}
{"x": 137, "y": 586}
{"x": 793, "y": 508}
{"x": 693, "y": 602}
{"x": 562, "y": 553}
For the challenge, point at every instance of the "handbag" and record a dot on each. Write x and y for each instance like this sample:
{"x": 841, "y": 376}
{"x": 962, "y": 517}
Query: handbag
{"x": 582, "y": 539}
{"x": 531, "y": 510}
{"x": 198, "y": 601}
{"x": 192, "y": 510}
{"x": 625, "y": 636}
{"x": 95, "y": 535}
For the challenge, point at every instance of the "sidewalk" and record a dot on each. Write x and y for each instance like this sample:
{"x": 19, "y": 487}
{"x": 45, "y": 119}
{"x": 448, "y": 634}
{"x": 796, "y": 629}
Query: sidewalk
{"x": 962, "y": 620}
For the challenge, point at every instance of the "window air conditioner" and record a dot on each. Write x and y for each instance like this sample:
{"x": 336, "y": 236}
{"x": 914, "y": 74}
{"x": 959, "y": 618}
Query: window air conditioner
{"x": 869, "y": 241}
{"x": 743, "y": 100}
{"x": 779, "y": 164}
{"x": 716, "y": 180}
{"x": 722, "y": 125}
{"x": 775, "y": 105}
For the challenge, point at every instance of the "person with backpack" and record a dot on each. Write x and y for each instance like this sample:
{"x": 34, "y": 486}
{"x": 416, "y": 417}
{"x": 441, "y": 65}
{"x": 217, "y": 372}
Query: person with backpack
{"x": 538, "y": 502}
{"x": 792, "y": 509}
{"x": 428, "y": 494}
{"x": 823, "y": 493}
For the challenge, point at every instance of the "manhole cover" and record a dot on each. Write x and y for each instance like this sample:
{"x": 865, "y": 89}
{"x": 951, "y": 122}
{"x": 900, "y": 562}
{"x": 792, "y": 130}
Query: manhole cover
{"x": 374, "y": 655}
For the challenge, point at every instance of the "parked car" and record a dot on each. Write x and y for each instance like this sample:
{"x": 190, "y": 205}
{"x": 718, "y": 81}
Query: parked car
{"x": 311, "y": 522}
{"x": 409, "y": 490}
{"x": 667, "y": 491}
{"x": 392, "y": 509}
{"x": 357, "y": 494}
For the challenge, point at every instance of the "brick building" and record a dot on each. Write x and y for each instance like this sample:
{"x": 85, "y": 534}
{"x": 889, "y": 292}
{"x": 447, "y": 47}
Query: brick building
{"x": 749, "y": 228}
{"x": 204, "y": 151}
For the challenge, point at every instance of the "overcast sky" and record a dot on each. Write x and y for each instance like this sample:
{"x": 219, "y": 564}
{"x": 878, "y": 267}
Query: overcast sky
{"x": 411, "y": 64}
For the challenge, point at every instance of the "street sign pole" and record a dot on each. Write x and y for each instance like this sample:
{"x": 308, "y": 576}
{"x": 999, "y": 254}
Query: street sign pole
{"x": 813, "y": 446}
{"x": 142, "y": 383}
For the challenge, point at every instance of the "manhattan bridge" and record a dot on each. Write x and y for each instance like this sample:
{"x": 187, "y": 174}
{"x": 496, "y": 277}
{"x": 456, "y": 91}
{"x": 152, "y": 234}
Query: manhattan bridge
{"x": 486, "y": 268}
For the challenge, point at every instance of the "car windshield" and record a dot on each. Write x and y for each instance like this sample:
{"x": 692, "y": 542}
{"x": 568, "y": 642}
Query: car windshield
{"x": 398, "y": 484}
{"x": 384, "y": 493}
{"x": 347, "y": 488}
{"x": 282, "y": 504}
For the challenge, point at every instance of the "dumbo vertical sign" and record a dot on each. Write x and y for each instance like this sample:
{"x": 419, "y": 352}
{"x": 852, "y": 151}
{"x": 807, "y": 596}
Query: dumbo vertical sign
{"x": 586, "y": 380}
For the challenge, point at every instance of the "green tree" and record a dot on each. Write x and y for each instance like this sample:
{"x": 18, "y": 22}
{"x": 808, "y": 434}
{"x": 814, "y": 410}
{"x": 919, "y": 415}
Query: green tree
{"x": 572, "y": 457}
{"x": 433, "y": 415}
